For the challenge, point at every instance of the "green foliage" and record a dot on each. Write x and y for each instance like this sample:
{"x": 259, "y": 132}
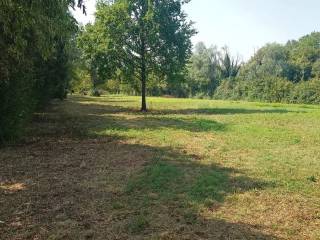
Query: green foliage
{"x": 305, "y": 53}
{"x": 126, "y": 48}
{"x": 270, "y": 60}
{"x": 208, "y": 67}
{"x": 81, "y": 81}
{"x": 270, "y": 89}
{"x": 141, "y": 38}
{"x": 306, "y": 92}
{"x": 95, "y": 92}
{"x": 278, "y": 73}
{"x": 203, "y": 70}
{"x": 93, "y": 47}
{"x": 230, "y": 89}
{"x": 35, "y": 42}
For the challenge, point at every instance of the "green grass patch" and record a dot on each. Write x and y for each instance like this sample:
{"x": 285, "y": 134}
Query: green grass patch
{"x": 187, "y": 169}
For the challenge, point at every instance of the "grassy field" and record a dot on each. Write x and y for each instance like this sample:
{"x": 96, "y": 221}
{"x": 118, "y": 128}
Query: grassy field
{"x": 97, "y": 168}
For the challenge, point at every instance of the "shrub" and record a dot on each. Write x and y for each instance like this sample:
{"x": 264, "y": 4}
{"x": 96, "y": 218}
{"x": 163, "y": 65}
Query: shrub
{"x": 269, "y": 89}
{"x": 230, "y": 88}
{"x": 306, "y": 92}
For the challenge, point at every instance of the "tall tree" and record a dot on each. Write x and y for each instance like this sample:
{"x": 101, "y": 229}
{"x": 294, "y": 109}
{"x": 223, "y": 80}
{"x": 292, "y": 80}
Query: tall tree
{"x": 305, "y": 53}
{"x": 229, "y": 66}
{"x": 35, "y": 37}
{"x": 93, "y": 47}
{"x": 203, "y": 70}
{"x": 147, "y": 36}
{"x": 208, "y": 67}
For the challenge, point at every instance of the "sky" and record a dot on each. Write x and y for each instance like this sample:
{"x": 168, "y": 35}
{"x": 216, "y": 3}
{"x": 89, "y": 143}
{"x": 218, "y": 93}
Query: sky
{"x": 245, "y": 25}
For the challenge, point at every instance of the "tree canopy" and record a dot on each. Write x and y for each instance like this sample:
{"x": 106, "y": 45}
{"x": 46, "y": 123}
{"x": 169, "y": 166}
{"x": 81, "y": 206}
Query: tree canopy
{"x": 279, "y": 73}
{"x": 36, "y": 38}
{"x": 143, "y": 38}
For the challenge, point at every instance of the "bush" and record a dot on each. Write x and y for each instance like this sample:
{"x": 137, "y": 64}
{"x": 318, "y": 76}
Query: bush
{"x": 230, "y": 88}
{"x": 306, "y": 92}
{"x": 269, "y": 89}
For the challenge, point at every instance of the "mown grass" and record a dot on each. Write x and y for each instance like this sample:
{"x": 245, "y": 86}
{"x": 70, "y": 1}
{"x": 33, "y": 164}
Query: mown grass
{"x": 187, "y": 169}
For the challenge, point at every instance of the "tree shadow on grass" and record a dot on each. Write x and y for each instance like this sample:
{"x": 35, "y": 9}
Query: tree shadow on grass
{"x": 123, "y": 124}
{"x": 100, "y": 118}
{"x": 94, "y": 120}
{"x": 105, "y": 98}
{"x": 92, "y": 188}
{"x": 96, "y": 125}
{"x": 218, "y": 111}
{"x": 174, "y": 188}
{"x": 109, "y": 108}
{"x": 78, "y": 186}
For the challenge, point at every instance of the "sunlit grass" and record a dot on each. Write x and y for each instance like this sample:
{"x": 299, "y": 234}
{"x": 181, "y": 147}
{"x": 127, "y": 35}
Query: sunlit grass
{"x": 233, "y": 154}
{"x": 189, "y": 169}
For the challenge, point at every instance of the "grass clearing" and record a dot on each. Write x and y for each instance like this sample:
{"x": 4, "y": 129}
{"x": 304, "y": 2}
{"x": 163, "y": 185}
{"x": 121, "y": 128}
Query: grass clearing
{"x": 97, "y": 168}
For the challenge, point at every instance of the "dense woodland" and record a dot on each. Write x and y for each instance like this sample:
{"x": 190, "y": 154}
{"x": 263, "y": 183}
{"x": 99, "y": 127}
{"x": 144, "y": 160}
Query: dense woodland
{"x": 136, "y": 48}
{"x": 37, "y": 40}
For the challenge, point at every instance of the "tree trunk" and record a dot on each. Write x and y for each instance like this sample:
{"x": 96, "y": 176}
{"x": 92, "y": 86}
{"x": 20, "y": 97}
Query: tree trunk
{"x": 93, "y": 77}
{"x": 143, "y": 89}
{"x": 143, "y": 78}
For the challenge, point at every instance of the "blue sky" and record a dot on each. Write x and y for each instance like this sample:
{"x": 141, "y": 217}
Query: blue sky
{"x": 245, "y": 25}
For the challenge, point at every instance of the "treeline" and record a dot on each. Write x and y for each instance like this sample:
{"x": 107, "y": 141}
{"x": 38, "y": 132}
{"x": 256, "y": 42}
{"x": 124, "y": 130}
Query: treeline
{"x": 36, "y": 44}
{"x": 278, "y": 73}
{"x": 200, "y": 77}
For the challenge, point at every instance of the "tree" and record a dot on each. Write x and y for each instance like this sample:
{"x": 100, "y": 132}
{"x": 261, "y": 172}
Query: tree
{"x": 203, "y": 70}
{"x": 146, "y": 37}
{"x": 229, "y": 66}
{"x": 304, "y": 54}
{"x": 94, "y": 53}
{"x": 35, "y": 37}
{"x": 270, "y": 60}
{"x": 208, "y": 67}
{"x": 279, "y": 73}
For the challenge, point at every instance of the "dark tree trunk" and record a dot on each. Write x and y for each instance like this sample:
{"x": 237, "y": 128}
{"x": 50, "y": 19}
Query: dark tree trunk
{"x": 143, "y": 79}
{"x": 143, "y": 90}
{"x": 93, "y": 77}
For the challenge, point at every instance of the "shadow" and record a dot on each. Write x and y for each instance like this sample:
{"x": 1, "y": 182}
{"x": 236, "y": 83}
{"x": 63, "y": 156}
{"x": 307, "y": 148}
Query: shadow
{"x": 93, "y": 119}
{"x": 174, "y": 188}
{"x": 109, "y": 99}
{"x": 109, "y": 108}
{"x": 174, "y": 172}
{"x": 122, "y": 190}
{"x": 118, "y": 123}
{"x": 80, "y": 187}
{"x": 218, "y": 111}
{"x": 100, "y": 118}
